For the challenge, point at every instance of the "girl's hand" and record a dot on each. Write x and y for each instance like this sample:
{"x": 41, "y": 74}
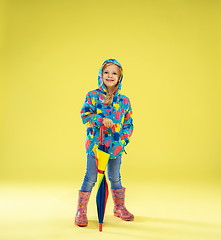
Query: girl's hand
{"x": 108, "y": 122}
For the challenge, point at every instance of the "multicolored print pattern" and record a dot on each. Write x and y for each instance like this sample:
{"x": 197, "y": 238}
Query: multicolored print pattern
{"x": 120, "y": 112}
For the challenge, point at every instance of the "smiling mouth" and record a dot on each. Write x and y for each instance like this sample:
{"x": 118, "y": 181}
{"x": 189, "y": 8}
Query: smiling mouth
{"x": 109, "y": 80}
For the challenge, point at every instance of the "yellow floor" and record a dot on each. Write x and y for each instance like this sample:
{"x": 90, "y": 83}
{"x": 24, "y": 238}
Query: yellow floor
{"x": 163, "y": 211}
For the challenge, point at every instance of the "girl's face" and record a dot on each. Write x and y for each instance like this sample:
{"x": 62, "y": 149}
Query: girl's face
{"x": 111, "y": 76}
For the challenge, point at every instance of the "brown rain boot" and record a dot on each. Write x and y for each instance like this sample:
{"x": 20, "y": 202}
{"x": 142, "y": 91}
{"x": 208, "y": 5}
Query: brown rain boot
{"x": 81, "y": 215}
{"x": 119, "y": 207}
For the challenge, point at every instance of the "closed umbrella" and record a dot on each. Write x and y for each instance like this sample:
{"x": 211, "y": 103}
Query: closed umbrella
{"x": 102, "y": 158}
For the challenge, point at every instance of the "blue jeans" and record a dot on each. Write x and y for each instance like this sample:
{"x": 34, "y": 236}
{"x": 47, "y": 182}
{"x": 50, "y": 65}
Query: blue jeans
{"x": 113, "y": 170}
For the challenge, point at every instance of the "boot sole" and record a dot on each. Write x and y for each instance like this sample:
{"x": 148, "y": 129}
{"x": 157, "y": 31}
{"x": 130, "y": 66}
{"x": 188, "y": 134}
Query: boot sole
{"x": 81, "y": 225}
{"x": 124, "y": 219}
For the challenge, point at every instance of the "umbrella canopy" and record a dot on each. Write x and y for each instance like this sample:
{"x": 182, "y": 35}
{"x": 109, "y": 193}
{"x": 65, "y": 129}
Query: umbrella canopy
{"x": 102, "y": 158}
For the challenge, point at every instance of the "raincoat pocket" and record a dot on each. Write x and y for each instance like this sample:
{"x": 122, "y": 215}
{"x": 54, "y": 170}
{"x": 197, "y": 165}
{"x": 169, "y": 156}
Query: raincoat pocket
{"x": 90, "y": 133}
{"x": 118, "y": 147}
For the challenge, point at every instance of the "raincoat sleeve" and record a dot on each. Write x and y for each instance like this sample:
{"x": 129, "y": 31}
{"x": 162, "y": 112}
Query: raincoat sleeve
{"x": 88, "y": 112}
{"x": 128, "y": 124}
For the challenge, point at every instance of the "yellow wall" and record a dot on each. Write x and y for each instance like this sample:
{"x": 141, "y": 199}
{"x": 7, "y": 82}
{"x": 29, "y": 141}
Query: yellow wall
{"x": 170, "y": 52}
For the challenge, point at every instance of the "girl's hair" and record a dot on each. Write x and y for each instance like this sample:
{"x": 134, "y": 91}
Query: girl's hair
{"x": 110, "y": 96}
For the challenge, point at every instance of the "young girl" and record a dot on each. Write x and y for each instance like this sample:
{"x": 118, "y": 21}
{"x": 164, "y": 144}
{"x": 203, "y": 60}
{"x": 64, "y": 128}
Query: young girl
{"x": 105, "y": 105}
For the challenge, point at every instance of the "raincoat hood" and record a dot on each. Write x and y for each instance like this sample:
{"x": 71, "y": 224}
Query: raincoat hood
{"x": 101, "y": 85}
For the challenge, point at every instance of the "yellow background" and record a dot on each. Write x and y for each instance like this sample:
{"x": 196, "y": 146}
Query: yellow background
{"x": 51, "y": 54}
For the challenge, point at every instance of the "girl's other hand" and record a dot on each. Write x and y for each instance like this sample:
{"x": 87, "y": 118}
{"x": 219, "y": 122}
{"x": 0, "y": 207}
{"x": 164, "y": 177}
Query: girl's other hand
{"x": 108, "y": 122}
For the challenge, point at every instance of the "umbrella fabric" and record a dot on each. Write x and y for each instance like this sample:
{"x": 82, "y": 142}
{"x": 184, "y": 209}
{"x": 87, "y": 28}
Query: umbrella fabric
{"x": 102, "y": 158}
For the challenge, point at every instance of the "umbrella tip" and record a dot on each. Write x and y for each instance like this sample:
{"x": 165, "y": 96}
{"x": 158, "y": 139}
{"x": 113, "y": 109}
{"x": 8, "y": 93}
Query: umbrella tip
{"x": 100, "y": 227}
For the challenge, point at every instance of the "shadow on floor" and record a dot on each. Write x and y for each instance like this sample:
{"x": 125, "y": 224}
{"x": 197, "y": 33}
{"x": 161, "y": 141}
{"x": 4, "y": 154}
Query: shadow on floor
{"x": 157, "y": 228}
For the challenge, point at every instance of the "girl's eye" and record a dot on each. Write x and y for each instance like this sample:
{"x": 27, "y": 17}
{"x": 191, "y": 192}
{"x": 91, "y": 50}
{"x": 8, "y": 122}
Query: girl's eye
{"x": 107, "y": 73}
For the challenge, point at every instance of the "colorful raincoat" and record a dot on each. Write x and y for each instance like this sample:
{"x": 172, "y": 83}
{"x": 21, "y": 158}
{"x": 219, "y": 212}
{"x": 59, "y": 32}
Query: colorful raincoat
{"x": 120, "y": 112}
